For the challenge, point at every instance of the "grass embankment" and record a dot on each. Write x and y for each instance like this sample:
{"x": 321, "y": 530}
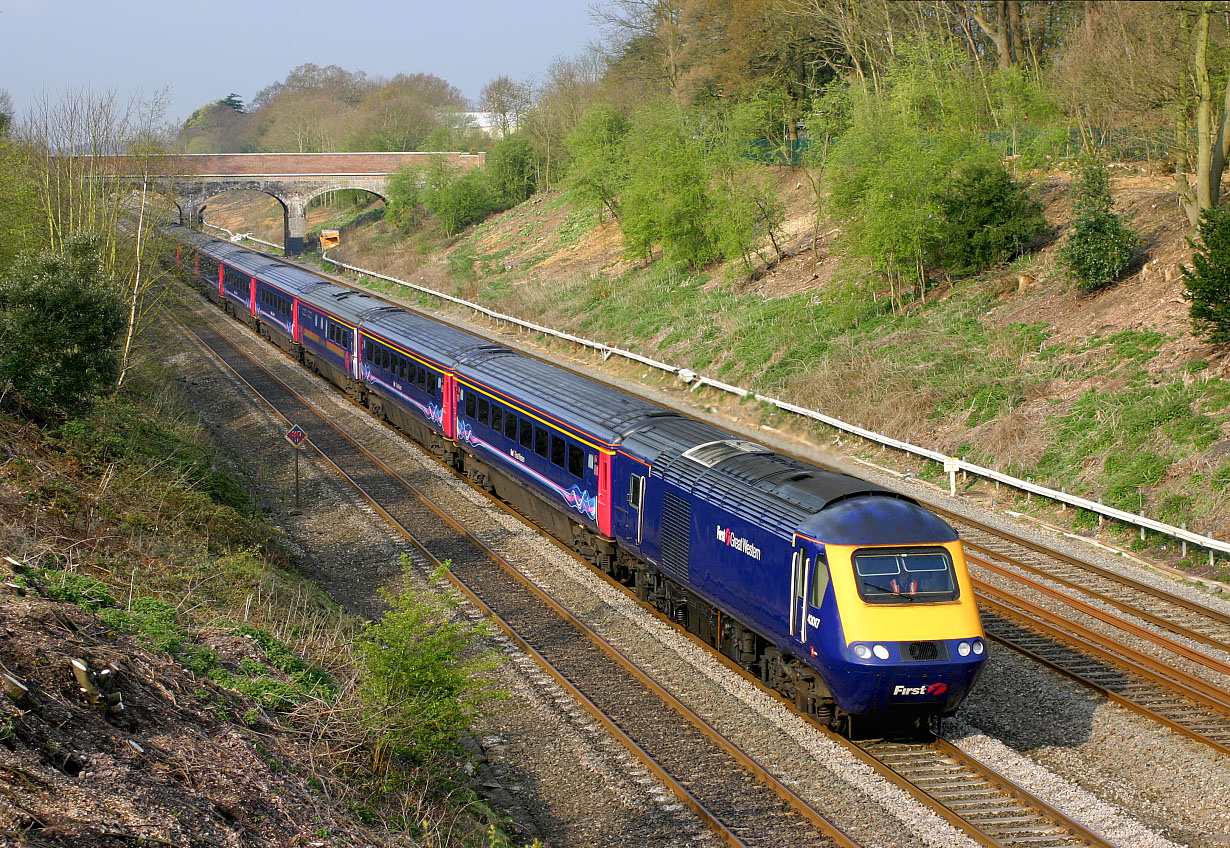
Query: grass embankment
{"x": 1094, "y": 417}
{"x": 128, "y": 514}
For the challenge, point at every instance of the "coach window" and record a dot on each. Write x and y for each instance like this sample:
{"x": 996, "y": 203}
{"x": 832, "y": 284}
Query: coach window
{"x": 576, "y": 461}
{"x": 510, "y": 426}
{"x": 432, "y": 383}
{"x": 911, "y": 575}
{"x": 558, "y": 450}
{"x": 527, "y": 433}
{"x": 497, "y": 418}
{"x": 471, "y": 404}
{"x": 484, "y": 409}
{"x": 540, "y": 441}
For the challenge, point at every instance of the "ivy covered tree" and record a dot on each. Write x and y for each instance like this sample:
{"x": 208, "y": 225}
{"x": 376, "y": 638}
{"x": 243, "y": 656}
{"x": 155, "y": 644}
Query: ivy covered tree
{"x": 62, "y": 320}
{"x": 1208, "y": 278}
{"x": 1100, "y": 246}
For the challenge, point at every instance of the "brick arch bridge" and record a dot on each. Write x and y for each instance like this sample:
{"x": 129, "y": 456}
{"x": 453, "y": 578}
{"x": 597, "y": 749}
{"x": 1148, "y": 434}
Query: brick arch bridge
{"x": 293, "y": 179}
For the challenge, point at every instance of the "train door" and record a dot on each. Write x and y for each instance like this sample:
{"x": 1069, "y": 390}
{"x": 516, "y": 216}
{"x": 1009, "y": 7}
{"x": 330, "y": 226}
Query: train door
{"x": 809, "y": 580}
{"x": 604, "y": 495}
{"x": 252, "y": 296}
{"x": 352, "y": 353}
{"x": 448, "y": 402}
{"x": 800, "y": 568}
{"x": 629, "y": 504}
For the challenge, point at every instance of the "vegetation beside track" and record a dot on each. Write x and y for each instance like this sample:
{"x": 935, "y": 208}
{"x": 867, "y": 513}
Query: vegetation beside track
{"x": 128, "y": 514}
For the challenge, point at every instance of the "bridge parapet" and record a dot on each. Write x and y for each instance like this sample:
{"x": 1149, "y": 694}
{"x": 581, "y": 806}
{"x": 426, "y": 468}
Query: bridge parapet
{"x": 293, "y": 179}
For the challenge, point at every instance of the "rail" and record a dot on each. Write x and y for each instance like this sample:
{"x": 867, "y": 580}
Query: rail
{"x": 951, "y": 465}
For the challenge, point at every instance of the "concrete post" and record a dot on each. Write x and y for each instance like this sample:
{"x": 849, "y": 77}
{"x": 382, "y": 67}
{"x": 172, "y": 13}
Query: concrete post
{"x": 295, "y": 226}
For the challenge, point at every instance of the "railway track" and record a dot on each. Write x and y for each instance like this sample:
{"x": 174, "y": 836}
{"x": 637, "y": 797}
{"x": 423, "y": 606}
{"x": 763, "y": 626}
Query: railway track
{"x": 739, "y": 800}
{"x": 1162, "y": 690}
{"x": 1181, "y": 702}
{"x": 995, "y": 810}
{"x": 989, "y": 808}
{"x": 1183, "y": 617}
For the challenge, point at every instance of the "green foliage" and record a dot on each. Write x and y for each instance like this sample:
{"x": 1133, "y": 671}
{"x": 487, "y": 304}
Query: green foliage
{"x": 18, "y": 199}
{"x": 74, "y": 588}
{"x": 511, "y": 170}
{"x": 153, "y": 620}
{"x": 1208, "y": 278}
{"x": 666, "y": 201}
{"x": 404, "y": 196}
{"x": 423, "y": 680}
{"x": 61, "y": 324}
{"x": 599, "y": 168}
{"x": 886, "y": 183}
{"x": 988, "y": 218}
{"x": 456, "y": 198}
{"x": 120, "y": 431}
{"x": 1100, "y": 246}
{"x": 1138, "y": 430}
{"x": 745, "y": 210}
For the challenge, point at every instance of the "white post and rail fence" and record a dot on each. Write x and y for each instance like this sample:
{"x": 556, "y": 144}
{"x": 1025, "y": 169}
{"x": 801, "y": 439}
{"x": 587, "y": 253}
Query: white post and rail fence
{"x": 951, "y": 465}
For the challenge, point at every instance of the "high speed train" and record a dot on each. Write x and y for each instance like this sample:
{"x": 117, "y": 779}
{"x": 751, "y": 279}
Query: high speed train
{"x": 852, "y": 600}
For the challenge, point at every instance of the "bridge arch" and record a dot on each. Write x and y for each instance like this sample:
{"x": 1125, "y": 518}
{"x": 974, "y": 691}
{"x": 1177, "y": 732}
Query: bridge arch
{"x": 293, "y": 179}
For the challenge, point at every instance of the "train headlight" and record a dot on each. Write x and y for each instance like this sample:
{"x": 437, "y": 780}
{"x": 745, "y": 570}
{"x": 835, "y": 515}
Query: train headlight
{"x": 880, "y": 651}
{"x": 963, "y": 649}
{"x": 979, "y": 647}
{"x": 862, "y": 652}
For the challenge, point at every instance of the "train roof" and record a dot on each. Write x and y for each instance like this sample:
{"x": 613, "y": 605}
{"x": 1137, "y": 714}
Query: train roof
{"x": 869, "y": 520}
{"x": 570, "y": 399}
{"x": 347, "y": 304}
{"x": 778, "y": 492}
{"x": 289, "y": 278}
{"x": 223, "y": 250}
{"x": 253, "y": 264}
{"x": 441, "y": 342}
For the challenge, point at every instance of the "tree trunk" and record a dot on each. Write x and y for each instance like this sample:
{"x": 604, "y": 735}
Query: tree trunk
{"x": 1212, "y": 147}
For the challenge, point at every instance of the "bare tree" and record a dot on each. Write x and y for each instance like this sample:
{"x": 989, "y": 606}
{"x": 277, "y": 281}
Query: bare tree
{"x": 508, "y": 100}
{"x": 1147, "y": 64}
{"x": 71, "y": 140}
{"x": 649, "y": 32}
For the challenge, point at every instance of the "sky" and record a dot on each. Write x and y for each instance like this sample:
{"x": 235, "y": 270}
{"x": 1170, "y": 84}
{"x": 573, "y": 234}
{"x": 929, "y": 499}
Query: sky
{"x": 202, "y": 51}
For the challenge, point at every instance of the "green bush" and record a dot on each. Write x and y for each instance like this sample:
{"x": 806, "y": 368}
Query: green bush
{"x": 598, "y": 172}
{"x": 423, "y": 680}
{"x": 511, "y": 170}
{"x": 1208, "y": 278}
{"x": 988, "y": 218}
{"x": 61, "y": 321}
{"x": 1100, "y": 246}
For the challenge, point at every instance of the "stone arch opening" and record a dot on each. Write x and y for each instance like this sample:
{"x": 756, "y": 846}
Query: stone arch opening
{"x": 251, "y": 209}
{"x": 342, "y": 208}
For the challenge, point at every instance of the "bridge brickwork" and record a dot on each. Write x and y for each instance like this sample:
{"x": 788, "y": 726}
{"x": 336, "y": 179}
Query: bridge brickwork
{"x": 293, "y": 179}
